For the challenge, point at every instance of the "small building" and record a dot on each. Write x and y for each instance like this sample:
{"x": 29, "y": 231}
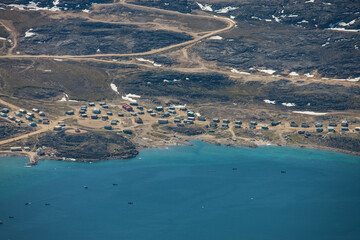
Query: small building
{"x": 84, "y": 115}
{"x": 140, "y": 107}
{"x": 177, "y": 120}
{"x": 27, "y": 149}
{"x": 344, "y": 129}
{"x": 120, "y": 115}
{"x": 191, "y": 114}
{"x": 216, "y": 120}
{"x": 30, "y": 114}
{"x": 91, "y": 104}
{"x": 18, "y": 121}
{"x": 102, "y": 103}
{"x": 96, "y": 110}
{"x": 29, "y": 118}
{"x": 276, "y": 123}
{"x": 105, "y": 106}
{"x": 166, "y": 114}
{"x": 114, "y": 122}
{"x": 35, "y": 110}
{"x": 33, "y": 124}
{"x": 237, "y": 125}
{"x": 183, "y": 109}
{"x": 331, "y": 129}
{"x": 344, "y": 123}
{"x": 81, "y": 111}
{"x": 307, "y": 134}
{"x": 138, "y": 120}
{"x": 58, "y": 128}
{"x": 127, "y": 107}
{"x": 5, "y": 110}
{"x": 213, "y": 125}
{"x": 180, "y": 125}
{"x": 319, "y": 125}
{"x": 238, "y": 122}
{"x": 332, "y": 124}
{"x": 19, "y": 114}
{"x": 83, "y": 106}
{"x": 46, "y": 121}
{"x": 253, "y": 123}
{"x": 134, "y": 104}
{"x": 301, "y": 132}
{"x": 294, "y": 124}
{"x": 171, "y": 108}
{"x": 104, "y": 117}
{"x": 141, "y": 112}
{"x": 61, "y": 123}
{"x": 133, "y": 114}
{"x": 191, "y": 118}
{"x": 187, "y": 121}
{"x": 264, "y": 127}
{"x": 22, "y": 111}
{"x": 16, "y": 149}
{"x": 305, "y": 125}
{"x": 12, "y": 118}
{"x": 70, "y": 112}
{"x": 224, "y": 126}
{"x": 172, "y": 111}
{"x": 77, "y": 130}
{"x": 3, "y": 114}
{"x": 201, "y": 118}
{"x": 94, "y": 116}
{"x": 149, "y": 110}
{"x": 109, "y": 113}
{"x": 159, "y": 108}
{"x": 108, "y": 127}
{"x": 163, "y": 121}
{"x": 357, "y": 129}
{"x": 41, "y": 114}
{"x": 127, "y": 131}
{"x": 319, "y": 129}
{"x": 252, "y": 127}
{"x": 226, "y": 121}
{"x": 153, "y": 114}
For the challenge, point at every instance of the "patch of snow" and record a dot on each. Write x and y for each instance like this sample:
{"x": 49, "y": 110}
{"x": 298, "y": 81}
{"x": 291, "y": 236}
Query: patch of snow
{"x": 64, "y": 98}
{"x": 226, "y": 9}
{"x": 293, "y": 74}
{"x": 28, "y": 33}
{"x": 98, "y": 50}
{"x": 288, "y": 104}
{"x": 292, "y": 15}
{"x": 356, "y": 47}
{"x": 47, "y": 70}
{"x": 149, "y": 61}
{"x": 310, "y": 1}
{"x": 343, "y": 24}
{"x": 326, "y": 3}
{"x": 198, "y": 114}
{"x": 303, "y": 21}
{"x": 325, "y": 44}
{"x": 310, "y": 113}
{"x": 268, "y": 20}
{"x": 309, "y": 75}
{"x": 205, "y": 7}
{"x": 232, "y": 17}
{"x": 179, "y": 106}
{"x": 4, "y": 39}
{"x": 34, "y": 6}
{"x": 269, "y": 101}
{"x": 114, "y": 88}
{"x": 268, "y": 71}
{"x": 236, "y": 71}
{"x": 86, "y": 10}
{"x": 276, "y": 18}
{"x": 169, "y": 81}
{"x": 216, "y": 38}
{"x": 72, "y": 100}
{"x": 344, "y": 30}
{"x": 130, "y": 97}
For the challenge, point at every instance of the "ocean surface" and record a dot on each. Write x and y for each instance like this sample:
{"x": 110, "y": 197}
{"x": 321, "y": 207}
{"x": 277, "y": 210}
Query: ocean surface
{"x": 185, "y": 192}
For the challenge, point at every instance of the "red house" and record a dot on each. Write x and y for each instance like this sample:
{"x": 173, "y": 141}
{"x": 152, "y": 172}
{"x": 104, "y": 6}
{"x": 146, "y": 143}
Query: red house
{"x": 127, "y": 107}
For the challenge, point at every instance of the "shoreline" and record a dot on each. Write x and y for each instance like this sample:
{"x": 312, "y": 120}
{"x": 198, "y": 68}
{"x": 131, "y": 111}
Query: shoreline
{"x": 34, "y": 158}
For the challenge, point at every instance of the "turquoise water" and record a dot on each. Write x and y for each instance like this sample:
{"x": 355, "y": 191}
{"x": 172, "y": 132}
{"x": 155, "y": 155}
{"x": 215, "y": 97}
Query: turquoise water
{"x": 185, "y": 192}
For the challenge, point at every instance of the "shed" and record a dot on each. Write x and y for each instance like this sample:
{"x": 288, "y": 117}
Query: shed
{"x": 149, "y": 110}
{"x": 357, "y": 129}
{"x": 16, "y": 149}
{"x": 5, "y": 110}
{"x": 134, "y": 104}
{"x": 159, "y": 108}
{"x": 127, "y": 131}
{"x": 191, "y": 114}
{"x": 177, "y": 120}
{"x": 58, "y": 128}
{"x": 138, "y": 120}
{"x": 35, "y": 110}
{"x": 33, "y": 124}
{"x": 264, "y": 127}
{"x": 92, "y": 104}
{"x": 109, "y": 113}
{"x": 224, "y": 125}
{"x": 114, "y": 122}
{"x": 108, "y": 127}
{"x": 332, "y": 124}
{"x": 70, "y": 112}
{"x": 141, "y": 112}
{"x": 27, "y": 149}
{"x": 238, "y": 122}
{"x": 3, "y": 114}
{"x": 201, "y": 118}
{"x": 120, "y": 114}
{"x": 187, "y": 121}
{"x": 237, "y": 125}
{"x": 183, "y": 109}
{"x": 163, "y": 121}
{"x": 319, "y": 129}
{"x": 104, "y": 117}
{"x": 105, "y": 106}
{"x": 22, "y": 111}
{"x": 133, "y": 114}
{"x": 213, "y": 125}
{"x": 216, "y": 120}
{"x": 331, "y": 129}
{"x": 19, "y": 114}
{"x": 166, "y": 114}
{"x": 344, "y": 129}
{"x": 305, "y": 125}
{"x": 96, "y": 110}
{"x": 191, "y": 118}
{"x": 102, "y": 103}
{"x": 253, "y": 123}
{"x": 42, "y": 114}
{"x": 344, "y": 123}
{"x": 294, "y": 124}
{"x": 84, "y": 115}
{"x": 275, "y": 123}
{"x": 140, "y": 107}
{"x": 127, "y": 107}
{"x": 153, "y": 114}
{"x": 94, "y": 116}
{"x": 319, "y": 125}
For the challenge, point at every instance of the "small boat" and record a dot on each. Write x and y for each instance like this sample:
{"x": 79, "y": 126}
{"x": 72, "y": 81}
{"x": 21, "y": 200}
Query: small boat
{"x": 11, "y": 216}
{"x": 114, "y": 184}
{"x": 47, "y": 204}
{"x": 28, "y": 203}
{"x": 283, "y": 171}
{"x": 86, "y": 187}
{"x": 130, "y": 203}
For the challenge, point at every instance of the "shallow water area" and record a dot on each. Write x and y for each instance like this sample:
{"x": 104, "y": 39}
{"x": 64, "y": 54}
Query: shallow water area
{"x": 185, "y": 192}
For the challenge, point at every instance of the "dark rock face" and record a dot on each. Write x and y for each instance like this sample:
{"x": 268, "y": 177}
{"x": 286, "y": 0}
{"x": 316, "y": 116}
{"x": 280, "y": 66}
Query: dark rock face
{"x": 183, "y": 6}
{"x": 63, "y": 4}
{"x": 37, "y": 93}
{"x": 10, "y": 130}
{"x": 88, "y": 146}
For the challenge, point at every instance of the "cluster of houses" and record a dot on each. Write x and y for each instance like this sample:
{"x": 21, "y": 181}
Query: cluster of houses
{"x": 29, "y": 116}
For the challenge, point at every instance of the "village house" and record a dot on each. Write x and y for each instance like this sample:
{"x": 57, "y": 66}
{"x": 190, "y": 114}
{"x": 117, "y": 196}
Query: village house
{"x": 102, "y": 103}
{"x": 22, "y": 111}
{"x": 35, "y": 110}
{"x": 344, "y": 123}
{"x": 41, "y": 114}
{"x": 58, "y": 128}
{"x": 94, "y": 116}
{"x": 96, "y": 110}
{"x": 120, "y": 115}
{"x": 253, "y": 123}
{"x": 332, "y": 124}
{"x": 3, "y": 114}
{"x": 294, "y": 124}
{"x": 5, "y": 110}
{"x": 163, "y": 121}
{"x": 70, "y": 112}
{"x": 275, "y": 123}
{"x": 318, "y": 124}
{"x": 134, "y": 104}
{"x": 84, "y": 115}
{"x": 224, "y": 126}
{"x": 319, "y": 130}
{"x": 104, "y": 117}
{"x": 133, "y": 114}
{"x": 33, "y": 124}
{"x": 16, "y": 149}
{"x": 140, "y": 107}
{"x": 238, "y": 122}
{"x": 149, "y": 110}
{"x": 138, "y": 120}
{"x": 109, "y": 113}
{"x": 305, "y": 125}
{"x": 237, "y": 125}
{"x": 187, "y": 121}
{"x": 216, "y": 120}
{"x": 105, "y": 106}
{"x": 226, "y": 121}
{"x": 108, "y": 127}
{"x": 91, "y": 104}
{"x": 264, "y": 127}
{"x": 127, "y": 107}
{"x": 331, "y": 129}
{"x": 201, "y": 118}
{"x": 191, "y": 114}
